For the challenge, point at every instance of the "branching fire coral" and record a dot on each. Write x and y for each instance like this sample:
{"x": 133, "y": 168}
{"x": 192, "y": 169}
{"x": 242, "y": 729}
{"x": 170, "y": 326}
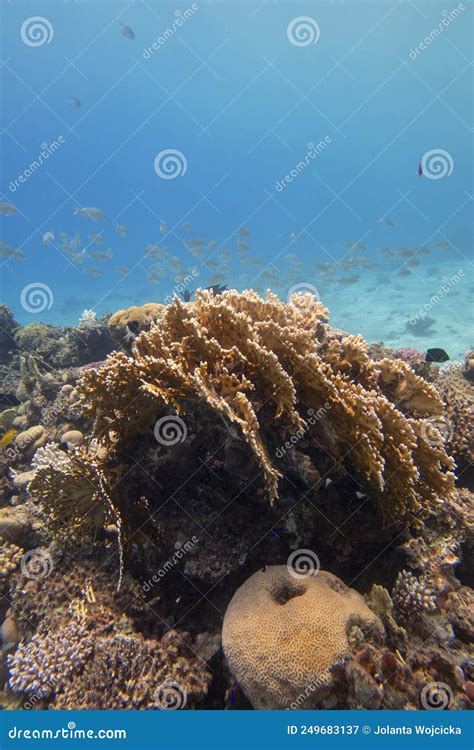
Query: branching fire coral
{"x": 241, "y": 355}
{"x": 72, "y": 490}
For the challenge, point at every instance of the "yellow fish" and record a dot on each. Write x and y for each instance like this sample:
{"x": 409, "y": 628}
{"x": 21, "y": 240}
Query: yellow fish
{"x": 7, "y": 438}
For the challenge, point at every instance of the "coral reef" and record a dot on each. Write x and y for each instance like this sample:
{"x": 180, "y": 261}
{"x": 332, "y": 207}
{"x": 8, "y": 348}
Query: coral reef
{"x": 8, "y": 327}
{"x": 68, "y": 662}
{"x": 10, "y": 557}
{"x": 147, "y": 675}
{"x": 125, "y": 325}
{"x": 286, "y": 637}
{"x": 72, "y": 494}
{"x": 66, "y": 347}
{"x": 143, "y": 482}
{"x": 245, "y": 358}
{"x": 456, "y": 388}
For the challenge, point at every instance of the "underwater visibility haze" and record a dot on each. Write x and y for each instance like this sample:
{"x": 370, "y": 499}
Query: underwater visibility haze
{"x": 236, "y": 351}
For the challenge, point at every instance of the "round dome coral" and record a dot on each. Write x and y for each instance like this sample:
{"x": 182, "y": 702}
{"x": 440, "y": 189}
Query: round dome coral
{"x": 284, "y": 637}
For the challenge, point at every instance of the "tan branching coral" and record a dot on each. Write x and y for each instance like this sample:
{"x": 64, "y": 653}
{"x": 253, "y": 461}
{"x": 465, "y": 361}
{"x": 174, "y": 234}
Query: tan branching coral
{"x": 240, "y": 354}
{"x": 73, "y": 494}
{"x": 456, "y": 387}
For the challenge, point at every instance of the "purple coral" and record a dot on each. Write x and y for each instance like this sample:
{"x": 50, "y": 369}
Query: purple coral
{"x": 409, "y": 354}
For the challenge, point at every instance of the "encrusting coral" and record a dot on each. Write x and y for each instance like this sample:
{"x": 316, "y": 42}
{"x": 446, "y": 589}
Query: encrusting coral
{"x": 285, "y": 637}
{"x": 241, "y": 356}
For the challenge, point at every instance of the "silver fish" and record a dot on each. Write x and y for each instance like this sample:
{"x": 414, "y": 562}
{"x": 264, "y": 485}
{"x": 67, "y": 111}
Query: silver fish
{"x": 7, "y": 209}
{"x": 73, "y": 102}
{"x": 91, "y": 213}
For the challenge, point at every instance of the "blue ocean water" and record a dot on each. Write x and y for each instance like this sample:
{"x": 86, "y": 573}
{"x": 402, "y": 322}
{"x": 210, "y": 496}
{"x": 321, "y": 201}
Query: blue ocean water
{"x": 304, "y": 124}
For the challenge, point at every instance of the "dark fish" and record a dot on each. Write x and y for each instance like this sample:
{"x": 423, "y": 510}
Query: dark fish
{"x": 186, "y": 295}
{"x": 277, "y": 531}
{"x": 420, "y": 169}
{"x": 217, "y": 288}
{"x": 436, "y": 355}
{"x": 127, "y": 32}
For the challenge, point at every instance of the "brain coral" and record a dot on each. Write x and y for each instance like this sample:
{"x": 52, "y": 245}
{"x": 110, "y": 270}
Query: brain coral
{"x": 243, "y": 357}
{"x": 284, "y": 637}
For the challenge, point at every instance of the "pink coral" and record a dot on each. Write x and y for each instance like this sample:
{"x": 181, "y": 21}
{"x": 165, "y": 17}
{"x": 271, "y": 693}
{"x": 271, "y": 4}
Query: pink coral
{"x": 409, "y": 354}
